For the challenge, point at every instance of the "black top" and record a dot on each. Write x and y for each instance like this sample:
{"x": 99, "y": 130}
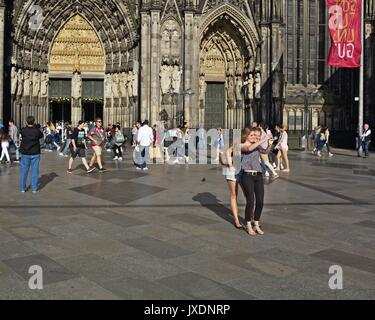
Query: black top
{"x": 79, "y": 136}
{"x": 69, "y": 133}
{"x": 30, "y": 144}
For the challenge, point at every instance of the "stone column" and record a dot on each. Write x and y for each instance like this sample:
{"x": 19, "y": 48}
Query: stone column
{"x": 155, "y": 67}
{"x": 191, "y": 69}
{"x": 192, "y": 104}
{"x": 2, "y": 18}
{"x": 145, "y": 66}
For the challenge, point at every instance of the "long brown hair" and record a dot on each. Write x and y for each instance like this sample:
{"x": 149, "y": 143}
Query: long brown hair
{"x": 244, "y": 134}
{"x": 3, "y": 135}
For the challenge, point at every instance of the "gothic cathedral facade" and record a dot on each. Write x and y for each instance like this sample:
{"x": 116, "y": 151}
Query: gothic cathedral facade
{"x": 211, "y": 63}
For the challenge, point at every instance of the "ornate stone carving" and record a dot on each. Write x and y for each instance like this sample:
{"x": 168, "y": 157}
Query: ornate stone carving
{"x": 165, "y": 78}
{"x": 130, "y": 83}
{"x": 214, "y": 62}
{"x": 238, "y": 90}
{"x": 176, "y": 78}
{"x": 115, "y": 86}
{"x": 76, "y": 89}
{"x": 108, "y": 86}
{"x": 123, "y": 84}
{"x": 19, "y": 82}
{"x": 77, "y": 48}
{"x": 202, "y": 88}
{"x": 14, "y": 80}
{"x": 170, "y": 42}
{"x": 36, "y": 83}
{"x": 230, "y": 91}
{"x": 26, "y": 83}
{"x": 44, "y": 85}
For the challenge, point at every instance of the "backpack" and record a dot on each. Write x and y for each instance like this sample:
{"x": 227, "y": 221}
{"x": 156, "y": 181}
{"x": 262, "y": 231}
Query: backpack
{"x": 119, "y": 138}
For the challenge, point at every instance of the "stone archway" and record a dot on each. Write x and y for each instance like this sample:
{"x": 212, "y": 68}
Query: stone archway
{"x": 77, "y": 54}
{"x": 114, "y": 25}
{"x": 228, "y": 42}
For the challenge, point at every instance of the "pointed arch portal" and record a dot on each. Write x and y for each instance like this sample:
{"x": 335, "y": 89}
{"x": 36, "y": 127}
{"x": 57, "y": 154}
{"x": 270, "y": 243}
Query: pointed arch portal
{"x": 77, "y": 48}
{"x": 227, "y": 60}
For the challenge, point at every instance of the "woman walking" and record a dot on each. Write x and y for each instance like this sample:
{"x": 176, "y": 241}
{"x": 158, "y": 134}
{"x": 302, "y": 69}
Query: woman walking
{"x": 4, "y": 139}
{"x": 282, "y": 146}
{"x": 252, "y": 178}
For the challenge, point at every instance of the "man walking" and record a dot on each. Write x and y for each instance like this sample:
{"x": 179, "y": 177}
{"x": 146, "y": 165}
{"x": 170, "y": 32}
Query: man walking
{"x": 97, "y": 137}
{"x": 30, "y": 150}
{"x": 366, "y": 139}
{"x": 14, "y": 140}
{"x": 145, "y": 139}
{"x": 78, "y": 147}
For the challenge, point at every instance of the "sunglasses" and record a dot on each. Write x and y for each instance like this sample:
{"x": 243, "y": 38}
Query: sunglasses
{"x": 99, "y": 121}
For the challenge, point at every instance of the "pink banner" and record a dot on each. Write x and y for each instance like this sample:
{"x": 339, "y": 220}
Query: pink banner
{"x": 345, "y": 31}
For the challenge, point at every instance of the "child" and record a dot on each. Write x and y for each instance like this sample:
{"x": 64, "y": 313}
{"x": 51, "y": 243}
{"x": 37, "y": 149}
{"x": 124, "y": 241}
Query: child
{"x": 4, "y": 138}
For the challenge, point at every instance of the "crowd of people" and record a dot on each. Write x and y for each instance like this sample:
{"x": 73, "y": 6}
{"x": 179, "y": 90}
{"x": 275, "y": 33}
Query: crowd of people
{"x": 261, "y": 153}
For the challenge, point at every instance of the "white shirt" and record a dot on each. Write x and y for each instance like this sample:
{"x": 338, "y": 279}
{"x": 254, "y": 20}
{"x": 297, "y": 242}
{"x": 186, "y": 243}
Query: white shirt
{"x": 264, "y": 145}
{"x": 145, "y": 136}
{"x": 364, "y": 135}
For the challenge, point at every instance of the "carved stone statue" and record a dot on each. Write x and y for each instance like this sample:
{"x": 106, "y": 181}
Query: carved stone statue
{"x": 238, "y": 89}
{"x": 26, "y": 83}
{"x": 19, "y": 82}
{"x": 257, "y": 84}
{"x": 250, "y": 87}
{"x": 230, "y": 90}
{"x": 14, "y": 80}
{"x": 36, "y": 83}
{"x": 176, "y": 78}
{"x": 115, "y": 86}
{"x": 123, "y": 84}
{"x": 76, "y": 86}
{"x": 130, "y": 83}
{"x": 165, "y": 78}
{"x": 44, "y": 85}
{"x": 108, "y": 86}
{"x": 202, "y": 88}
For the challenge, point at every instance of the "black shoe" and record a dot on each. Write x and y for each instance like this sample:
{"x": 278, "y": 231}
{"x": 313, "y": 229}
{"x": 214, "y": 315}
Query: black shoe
{"x": 102, "y": 170}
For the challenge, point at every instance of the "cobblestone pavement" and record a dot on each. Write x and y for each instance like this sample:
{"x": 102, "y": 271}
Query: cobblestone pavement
{"x": 168, "y": 234}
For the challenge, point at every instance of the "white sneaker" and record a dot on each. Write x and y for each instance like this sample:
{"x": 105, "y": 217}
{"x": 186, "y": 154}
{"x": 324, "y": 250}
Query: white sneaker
{"x": 330, "y": 154}
{"x": 319, "y": 154}
{"x": 138, "y": 168}
{"x": 61, "y": 154}
{"x": 145, "y": 169}
{"x": 120, "y": 158}
{"x": 109, "y": 150}
{"x": 281, "y": 167}
{"x": 266, "y": 174}
{"x": 274, "y": 165}
{"x": 115, "y": 158}
{"x": 175, "y": 161}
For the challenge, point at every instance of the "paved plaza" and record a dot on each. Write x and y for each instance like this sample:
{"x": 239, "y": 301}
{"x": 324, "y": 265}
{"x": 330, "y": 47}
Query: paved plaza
{"x": 168, "y": 234}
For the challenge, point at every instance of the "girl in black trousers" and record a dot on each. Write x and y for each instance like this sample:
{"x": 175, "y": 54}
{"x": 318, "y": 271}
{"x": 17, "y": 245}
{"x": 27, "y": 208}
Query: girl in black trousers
{"x": 252, "y": 177}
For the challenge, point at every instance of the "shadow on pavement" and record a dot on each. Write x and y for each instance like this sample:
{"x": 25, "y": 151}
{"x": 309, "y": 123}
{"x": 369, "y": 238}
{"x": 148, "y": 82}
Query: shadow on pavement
{"x": 46, "y": 179}
{"x": 210, "y": 201}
